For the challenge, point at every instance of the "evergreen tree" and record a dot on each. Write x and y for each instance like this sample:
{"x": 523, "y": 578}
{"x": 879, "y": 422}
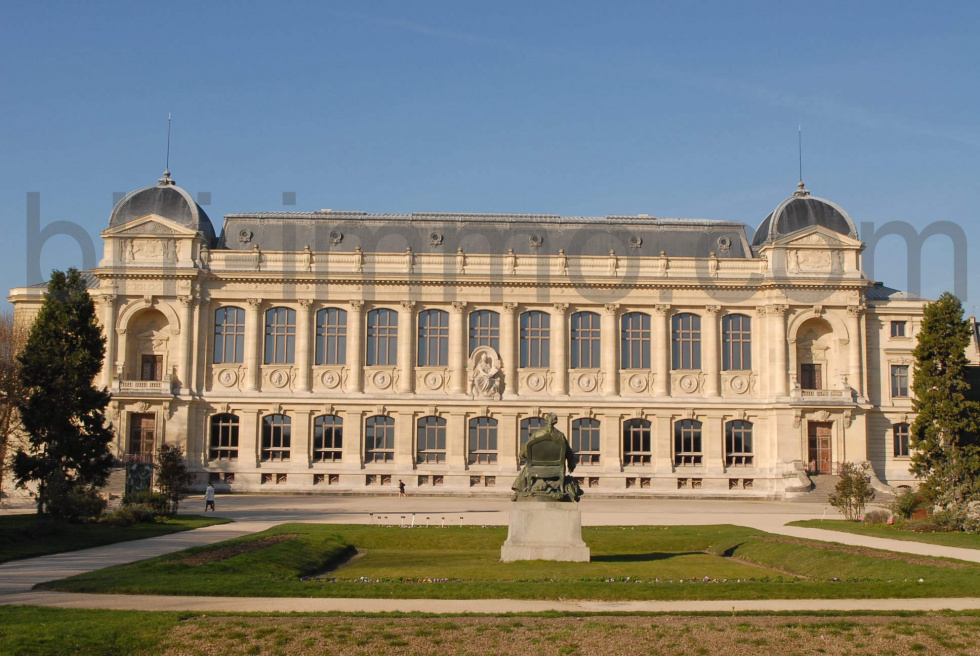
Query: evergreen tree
{"x": 172, "y": 474}
{"x": 944, "y": 438}
{"x": 63, "y": 412}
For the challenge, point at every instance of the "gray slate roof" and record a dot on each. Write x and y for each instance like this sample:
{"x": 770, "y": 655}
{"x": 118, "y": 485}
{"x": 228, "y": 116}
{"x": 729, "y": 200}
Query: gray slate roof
{"x": 167, "y": 200}
{"x": 878, "y": 292}
{"x": 802, "y": 211}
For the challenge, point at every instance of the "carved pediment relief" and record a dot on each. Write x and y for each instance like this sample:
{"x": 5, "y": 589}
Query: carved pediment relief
{"x": 147, "y": 228}
{"x": 150, "y": 225}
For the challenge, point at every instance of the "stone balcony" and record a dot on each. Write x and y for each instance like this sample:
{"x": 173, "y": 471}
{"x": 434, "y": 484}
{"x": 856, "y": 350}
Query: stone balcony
{"x": 144, "y": 387}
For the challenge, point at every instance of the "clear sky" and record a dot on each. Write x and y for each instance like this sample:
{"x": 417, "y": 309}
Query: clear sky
{"x": 679, "y": 109}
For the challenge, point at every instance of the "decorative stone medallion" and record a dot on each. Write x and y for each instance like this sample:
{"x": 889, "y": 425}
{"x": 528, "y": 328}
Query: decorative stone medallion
{"x": 535, "y": 382}
{"x": 433, "y": 380}
{"x": 586, "y": 382}
{"x": 688, "y": 383}
{"x": 228, "y": 378}
{"x": 739, "y": 384}
{"x": 382, "y": 380}
{"x": 336, "y": 236}
{"x": 330, "y": 379}
{"x": 637, "y": 383}
{"x": 279, "y": 378}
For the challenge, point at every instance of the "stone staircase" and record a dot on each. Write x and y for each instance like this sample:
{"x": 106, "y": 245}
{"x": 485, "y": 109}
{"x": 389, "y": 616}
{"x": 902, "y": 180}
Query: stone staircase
{"x": 823, "y": 485}
{"x": 115, "y": 487}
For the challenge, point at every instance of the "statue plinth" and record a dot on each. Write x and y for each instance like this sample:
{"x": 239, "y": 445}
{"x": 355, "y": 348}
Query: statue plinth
{"x": 545, "y": 530}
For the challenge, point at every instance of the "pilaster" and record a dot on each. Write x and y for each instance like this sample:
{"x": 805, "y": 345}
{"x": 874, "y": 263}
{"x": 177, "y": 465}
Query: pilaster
{"x": 559, "y": 349}
{"x": 253, "y": 344}
{"x": 711, "y": 355}
{"x": 661, "y": 350}
{"x": 610, "y": 349}
{"x": 406, "y": 347}
{"x": 304, "y": 355}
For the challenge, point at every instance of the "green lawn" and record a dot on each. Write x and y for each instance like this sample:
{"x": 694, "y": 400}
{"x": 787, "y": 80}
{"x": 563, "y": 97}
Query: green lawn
{"x": 26, "y": 536}
{"x": 682, "y": 562}
{"x": 964, "y": 540}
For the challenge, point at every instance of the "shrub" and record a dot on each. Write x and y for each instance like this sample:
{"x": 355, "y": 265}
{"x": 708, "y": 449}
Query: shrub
{"x": 877, "y": 517}
{"x": 853, "y": 491}
{"x": 172, "y": 475}
{"x": 157, "y": 502}
{"x": 906, "y": 503}
{"x": 74, "y": 502}
{"x": 119, "y": 517}
{"x": 926, "y": 527}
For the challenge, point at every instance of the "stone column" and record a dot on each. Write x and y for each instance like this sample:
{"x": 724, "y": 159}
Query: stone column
{"x": 186, "y": 342}
{"x": 508, "y": 436}
{"x": 777, "y": 335}
{"x": 710, "y": 350}
{"x": 249, "y": 438}
{"x": 121, "y": 348}
{"x": 610, "y": 442}
{"x": 610, "y": 349}
{"x": 559, "y": 349}
{"x": 508, "y": 347}
{"x": 457, "y": 348}
{"x": 355, "y": 347}
{"x": 304, "y": 354}
{"x": 109, "y": 323}
{"x": 855, "y": 376}
{"x": 301, "y": 440}
{"x": 404, "y": 444}
{"x": 661, "y": 350}
{"x": 253, "y": 344}
{"x": 761, "y": 362}
{"x": 353, "y": 450}
{"x": 406, "y": 347}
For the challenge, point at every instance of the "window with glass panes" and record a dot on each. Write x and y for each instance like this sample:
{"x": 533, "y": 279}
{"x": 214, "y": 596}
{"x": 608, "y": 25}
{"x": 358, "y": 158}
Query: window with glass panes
{"x": 430, "y": 439}
{"x": 900, "y": 435}
{"x": 482, "y": 441}
{"x": 224, "y": 437}
{"x": 900, "y": 380}
{"x": 738, "y": 443}
{"x": 687, "y": 442}
{"x": 636, "y": 442}
{"x": 898, "y": 329}
{"x": 484, "y": 330}
{"x": 275, "y": 437}
{"x": 328, "y": 438}
{"x": 736, "y": 342}
{"x": 280, "y": 336}
{"x": 586, "y": 339}
{"x": 433, "y": 347}
{"x": 331, "y": 336}
{"x": 535, "y": 339}
{"x": 229, "y": 335}
{"x": 686, "y": 341}
{"x": 379, "y": 439}
{"x": 585, "y": 441}
{"x": 634, "y": 338}
{"x": 382, "y": 337}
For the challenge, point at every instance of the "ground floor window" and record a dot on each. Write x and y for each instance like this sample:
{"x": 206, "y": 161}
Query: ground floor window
{"x": 900, "y": 436}
{"x": 636, "y": 442}
{"x": 430, "y": 440}
{"x": 482, "y": 441}
{"x": 687, "y": 443}
{"x": 328, "y": 438}
{"x": 379, "y": 439}
{"x": 585, "y": 441}
{"x": 738, "y": 443}
{"x": 224, "y": 437}
{"x": 276, "y": 434}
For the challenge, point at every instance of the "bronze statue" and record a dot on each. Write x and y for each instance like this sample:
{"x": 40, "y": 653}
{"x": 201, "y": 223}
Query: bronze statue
{"x": 546, "y": 455}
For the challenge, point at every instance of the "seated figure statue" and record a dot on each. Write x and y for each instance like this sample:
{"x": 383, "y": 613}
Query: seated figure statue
{"x": 546, "y": 455}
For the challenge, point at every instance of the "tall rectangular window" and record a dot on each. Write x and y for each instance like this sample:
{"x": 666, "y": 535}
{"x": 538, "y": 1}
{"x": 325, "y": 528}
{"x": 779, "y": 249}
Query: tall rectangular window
{"x": 586, "y": 340}
{"x": 634, "y": 336}
{"x": 331, "y": 336}
{"x": 229, "y": 335}
{"x": 686, "y": 341}
{"x": 736, "y": 342}
{"x": 585, "y": 441}
{"x": 433, "y": 338}
{"x": 224, "y": 437}
{"x": 687, "y": 443}
{"x": 430, "y": 438}
{"x": 898, "y": 329}
{"x": 900, "y": 381}
{"x": 636, "y": 442}
{"x": 276, "y": 436}
{"x": 382, "y": 337}
{"x": 535, "y": 339}
{"x": 280, "y": 336}
{"x": 484, "y": 330}
{"x": 482, "y": 441}
{"x": 900, "y": 435}
{"x": 379, "y": 439}
{"x": 328, "y": 438}
{"x": 738, "y": 443}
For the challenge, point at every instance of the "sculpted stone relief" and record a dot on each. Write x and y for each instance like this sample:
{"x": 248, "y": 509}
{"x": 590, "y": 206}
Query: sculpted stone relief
{"x": 149, "y": 249}
{"x": 485, "y": 373}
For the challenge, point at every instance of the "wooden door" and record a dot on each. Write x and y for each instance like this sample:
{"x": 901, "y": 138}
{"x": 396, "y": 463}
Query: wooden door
{"x": 810, "y": 378}
{"x": 141, "y": 436}
{"x": 818, "y": 456}
{"x": 152, "y": 367}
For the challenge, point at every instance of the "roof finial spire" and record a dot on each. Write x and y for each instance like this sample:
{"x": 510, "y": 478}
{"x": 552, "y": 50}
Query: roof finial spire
{"x": 166, "y": 179}
{"x": 800, "y": 189}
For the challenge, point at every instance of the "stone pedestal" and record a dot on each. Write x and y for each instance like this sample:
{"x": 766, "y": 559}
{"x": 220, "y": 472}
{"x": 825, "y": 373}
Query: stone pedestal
{"x": 545, "y": 530}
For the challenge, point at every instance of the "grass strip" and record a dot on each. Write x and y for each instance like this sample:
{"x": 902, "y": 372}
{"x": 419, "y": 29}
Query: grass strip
{"x": 894, "y": 532}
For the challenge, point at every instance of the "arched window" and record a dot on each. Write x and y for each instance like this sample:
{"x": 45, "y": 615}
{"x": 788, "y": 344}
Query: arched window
{"x": 280, "y": 336}
{"x": 379, "y": 439}
{"x": 736, "y": 342}
{"x": 535, "y": 339}
{"x": 738, "y": 443}
{"x": 900, "y": 436}
{"x": 585, "y": 441}
{"x": 430, "y": 440}
{"x": 275, "y": 437}
{"x": 636, "y": 442}
{"x": 484, "y": 330}
{"x": 687, "y": 443}
{"x": 382, "y": 337}
{"x": 528, "y": 426}
{"x": 331, "y": 336}
{"x": 433, "y": 338}
{"x": 328, "y": 438}
{"x": 483, "y": 441}
{"x": 635, "y": 341}
{"x": 229, "y": 335}
{"x": 686, "y": 341}
{"x": 586, "y": 340}
{"x": 224, "y": 437}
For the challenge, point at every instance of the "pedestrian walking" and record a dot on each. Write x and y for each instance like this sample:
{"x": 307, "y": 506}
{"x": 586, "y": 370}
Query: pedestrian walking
{"x": 401, "y": 488}
{"x": 209, "y": 498}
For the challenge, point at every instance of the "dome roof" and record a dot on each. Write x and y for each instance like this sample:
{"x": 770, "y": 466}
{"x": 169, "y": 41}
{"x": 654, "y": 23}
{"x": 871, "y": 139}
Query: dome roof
{"x": 801, "y": 210}
{"x": 165, "y": 199}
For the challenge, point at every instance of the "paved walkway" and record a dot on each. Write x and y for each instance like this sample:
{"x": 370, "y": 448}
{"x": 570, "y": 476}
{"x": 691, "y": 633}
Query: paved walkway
{"x": 254, "y": 514}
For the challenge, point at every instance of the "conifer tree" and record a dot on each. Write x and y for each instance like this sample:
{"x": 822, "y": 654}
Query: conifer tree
{"x": 63, "y": 412}
{"x": 943, "y": 437}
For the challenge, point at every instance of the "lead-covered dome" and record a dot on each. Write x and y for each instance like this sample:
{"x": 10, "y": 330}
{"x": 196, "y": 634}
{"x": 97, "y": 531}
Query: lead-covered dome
{"x": 167, "y": 200}
{"x": 801, "y": 210}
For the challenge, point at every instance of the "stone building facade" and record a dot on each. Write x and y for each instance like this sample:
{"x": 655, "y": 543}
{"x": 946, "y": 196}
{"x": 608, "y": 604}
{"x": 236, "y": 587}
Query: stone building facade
{"x": 345, "y": 351}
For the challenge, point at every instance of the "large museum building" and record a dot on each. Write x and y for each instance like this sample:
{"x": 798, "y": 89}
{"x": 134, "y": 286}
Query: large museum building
{"x": 344, "y": 351}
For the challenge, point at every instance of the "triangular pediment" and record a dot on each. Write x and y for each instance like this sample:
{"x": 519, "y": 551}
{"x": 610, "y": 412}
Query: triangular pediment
{"x": 818, "y": 237}
{"x": 151, "y": 225}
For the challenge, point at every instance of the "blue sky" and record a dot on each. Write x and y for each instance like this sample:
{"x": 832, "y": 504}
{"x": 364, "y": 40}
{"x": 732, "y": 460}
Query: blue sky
{"x": 681, "y": 109}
